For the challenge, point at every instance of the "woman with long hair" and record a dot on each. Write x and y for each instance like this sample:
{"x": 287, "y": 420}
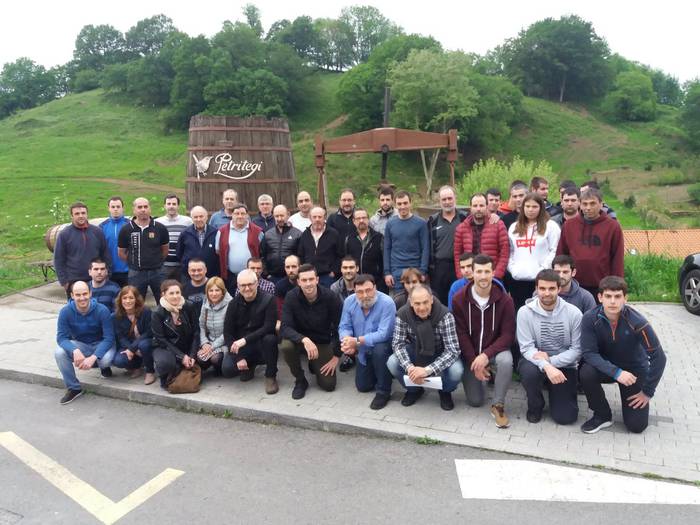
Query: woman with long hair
{"x": 132, "y": 331}
{"x": 175, "y": 332}
{"x": 533, "y": 245}
{"x": 211, "y": 324}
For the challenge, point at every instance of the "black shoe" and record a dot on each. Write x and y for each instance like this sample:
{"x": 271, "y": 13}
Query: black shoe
{"x": 380, "y": 400}
{"x": 247, "y": 375}
{"x": 300, "y": 386}
{"x": 106, "y": 372}
{"x": 595, "y": 424}
{"x": 71, "y": 395}
{"x": 411, "y": 396}
{"x": 346, "y": 363}
{"x": 533, "y": 417}
{"x": 446, "y": 402}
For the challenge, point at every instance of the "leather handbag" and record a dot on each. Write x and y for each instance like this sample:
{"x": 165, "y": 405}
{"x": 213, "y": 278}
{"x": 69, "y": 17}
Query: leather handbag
{"x": 186, "y": 381}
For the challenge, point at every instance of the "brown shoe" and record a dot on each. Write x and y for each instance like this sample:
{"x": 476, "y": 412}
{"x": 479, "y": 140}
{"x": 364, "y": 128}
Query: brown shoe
{"x": 499, "y": 414}
{"x": 149, "y": 379}
{"x": 271, "y": 386}
{"x": 136, "y": 372}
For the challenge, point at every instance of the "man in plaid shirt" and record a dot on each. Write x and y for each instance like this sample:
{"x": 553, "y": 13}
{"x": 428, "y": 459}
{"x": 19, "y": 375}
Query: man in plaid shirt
{"x": 425, "y": 344}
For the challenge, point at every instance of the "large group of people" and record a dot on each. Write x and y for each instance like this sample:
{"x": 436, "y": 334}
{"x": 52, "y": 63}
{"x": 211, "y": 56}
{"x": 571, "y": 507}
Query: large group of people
{"x": 465, "y": 297}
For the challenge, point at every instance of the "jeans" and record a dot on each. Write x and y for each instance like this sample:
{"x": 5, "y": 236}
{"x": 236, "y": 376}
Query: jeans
{"x": 263, "y": 352}
{"x": 64, "y": 360}
{"x": 374, "y": 375}
{"x": 145, "y": 347}
{"x": 142, "y": 279}
{"x": 292, "y": 353}
{"x": 451, "y": 377}
{"x": 563, "y": 405}
{"x": 475, "y": 390}
{"x": 635, "y": 419}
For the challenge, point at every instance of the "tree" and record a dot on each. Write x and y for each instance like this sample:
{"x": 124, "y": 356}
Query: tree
{"x": 244, "y": 47}
{"x": 370, "y": 28}
{"x": 25, "y": 84}
{"x": 432, "y": 92}
{"x": 334, "y": 45}
{"x": 99, "y": 46}
{"x": 250, "y": 92}
{"x": 252, "y": 16}
{"x": 301, "y": 35}
{"x": 148, "y": 36}
{"x": 632, "y": 98}
{"x": 284, "y": 63}
{"x": 277, "y": 29}
{"x": 559, "y": 59}
{"x": 690, "y": 114}
{"x": 499, "y": 109}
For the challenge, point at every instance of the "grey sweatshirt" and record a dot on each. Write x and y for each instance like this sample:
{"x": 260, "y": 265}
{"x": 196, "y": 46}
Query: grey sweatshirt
{"x": 557, "y": 332}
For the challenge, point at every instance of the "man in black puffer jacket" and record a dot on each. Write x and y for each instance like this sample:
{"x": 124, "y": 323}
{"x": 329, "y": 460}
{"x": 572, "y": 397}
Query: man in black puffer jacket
{"x": 279, "y": 242}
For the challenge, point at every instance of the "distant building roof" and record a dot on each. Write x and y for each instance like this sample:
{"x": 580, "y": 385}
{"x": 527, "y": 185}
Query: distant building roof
{"x": 673, "y": 243}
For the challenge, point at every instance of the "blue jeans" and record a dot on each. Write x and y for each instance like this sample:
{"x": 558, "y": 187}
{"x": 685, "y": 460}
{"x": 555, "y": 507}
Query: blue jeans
{"x": 142, "y": 279}
{"x": 451, "y": 377}
{"x": 145, "y": 347}
{"x": 374, "y": 375}
{"x": 64, "y": 360}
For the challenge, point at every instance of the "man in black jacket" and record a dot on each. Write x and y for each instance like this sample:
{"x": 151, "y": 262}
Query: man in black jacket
{"x": 249, "y": 333}
{"x": 320, "y": 246}
{"x": 278, "y": 243}
{"x": 310, "y": 319}
{"x": 366, "y": 246}
{"x": 341, "y": 221}
{"x": 198, "y": 242}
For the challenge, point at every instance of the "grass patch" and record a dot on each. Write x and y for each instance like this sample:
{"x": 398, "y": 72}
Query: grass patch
{"x": 651, "y": 475}
{"x": 652, "y": 277}
{"x": 426, "y": 440}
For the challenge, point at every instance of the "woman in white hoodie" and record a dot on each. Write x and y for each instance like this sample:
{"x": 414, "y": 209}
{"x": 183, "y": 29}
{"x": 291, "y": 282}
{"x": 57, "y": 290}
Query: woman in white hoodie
{"x": 533, "y": 245}
{"x": 211, "y": 325}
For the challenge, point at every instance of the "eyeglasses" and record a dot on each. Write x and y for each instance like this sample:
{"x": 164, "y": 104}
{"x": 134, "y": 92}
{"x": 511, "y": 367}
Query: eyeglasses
{"x": 246, "y": 285}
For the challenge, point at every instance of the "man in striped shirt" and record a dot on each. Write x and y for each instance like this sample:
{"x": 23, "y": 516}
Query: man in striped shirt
{"x": 175, "y": 224}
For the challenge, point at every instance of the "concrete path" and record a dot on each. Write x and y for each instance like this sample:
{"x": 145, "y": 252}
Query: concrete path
{"x": 670, "y": 447}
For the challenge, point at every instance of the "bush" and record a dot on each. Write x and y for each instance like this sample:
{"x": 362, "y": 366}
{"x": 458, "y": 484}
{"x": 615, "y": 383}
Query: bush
{"x": 494, "y": 174}
{"x": 652, "y": 277}
{"x": 694, "y": 192}
{"x": 648, "y": 166}
{"x": 86, "y": 80}
{"x": 630, "y": 202}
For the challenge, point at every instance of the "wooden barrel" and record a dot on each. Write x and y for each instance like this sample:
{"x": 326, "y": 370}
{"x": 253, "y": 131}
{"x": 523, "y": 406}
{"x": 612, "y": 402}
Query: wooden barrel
{"x": 52, "y": 233}
{"x": 250, "y": 155}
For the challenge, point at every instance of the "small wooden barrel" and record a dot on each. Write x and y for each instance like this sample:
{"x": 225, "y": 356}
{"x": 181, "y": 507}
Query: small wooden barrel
{"x": 250, "y": 155}
{"x": 52, "y": 233}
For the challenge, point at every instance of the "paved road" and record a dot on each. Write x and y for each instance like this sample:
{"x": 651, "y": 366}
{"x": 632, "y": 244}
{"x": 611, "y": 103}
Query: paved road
{"x": 237, "y": 472}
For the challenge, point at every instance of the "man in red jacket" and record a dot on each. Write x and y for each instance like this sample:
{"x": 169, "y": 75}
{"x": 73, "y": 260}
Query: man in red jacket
{"x": 236, "y": 242}
{"x": 485, "y": 319}
{"x": 594, "y": 241}
{"x": 479, "y": 234}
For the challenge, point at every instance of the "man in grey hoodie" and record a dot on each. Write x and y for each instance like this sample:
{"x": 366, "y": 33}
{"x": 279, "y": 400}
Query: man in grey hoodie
{"x": 549, "y": 334}
{"x": 570, "y": 290}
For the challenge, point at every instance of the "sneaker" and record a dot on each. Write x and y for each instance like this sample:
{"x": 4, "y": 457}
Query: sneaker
{"x": 446, "y": 402}
{"x": 595, "y": 424}
{"x": 346, "y": 363}
{"x": 499, "y": 414}
{"x": 300, "y": 386}
{"x": 380, "y": 400}
{"x": 533, "y": 417}
{"x": 247, "y": 375}
{"x": 106, "y": 372}
{"x": 71, "y": 395}
{"x": 271, "y": 386}
{"x": 411, "y": 396}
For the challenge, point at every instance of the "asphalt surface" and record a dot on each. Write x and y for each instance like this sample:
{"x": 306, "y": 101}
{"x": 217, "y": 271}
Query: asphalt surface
{"x": 239, "y": 472}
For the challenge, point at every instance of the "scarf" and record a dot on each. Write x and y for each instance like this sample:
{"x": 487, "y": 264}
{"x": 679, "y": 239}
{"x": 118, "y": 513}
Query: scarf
{"x": 174, "y": 310}
{"x": 424, "y": 328}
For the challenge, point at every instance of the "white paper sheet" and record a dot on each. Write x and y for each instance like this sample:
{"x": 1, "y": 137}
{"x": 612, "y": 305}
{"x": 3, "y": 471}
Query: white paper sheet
{"x": 429, "y": 382}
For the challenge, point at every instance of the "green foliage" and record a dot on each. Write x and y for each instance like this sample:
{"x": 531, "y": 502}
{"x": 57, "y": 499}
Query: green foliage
{"x": 86, "y": 80}
{"x": 335, "y": 44}
{"x": 491, "y": 173}
{"x": 630, "y": 202}
{"x": 25, "y": 84}
{"x": 675, "y": 177}
{"x": 690, "y": 115}
{"x": 250, "y": 92}
{"x": 427, "y": 440}
{"x": 148, "y": 36}
{"x": 652, "y": 277}
{"x": 369, "y": 28}
{"x": 694, "y": 192}
{"x": 560, "y": 59}
{"x": 632, "y": 98}
{"x": 252, "y": 16}
{"x": 99, "y": 46}
{"x": 666, "y": 88}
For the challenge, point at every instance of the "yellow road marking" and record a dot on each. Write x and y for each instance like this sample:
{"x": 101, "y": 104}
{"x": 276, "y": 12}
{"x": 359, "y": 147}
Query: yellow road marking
{"x": 91, "y": 499}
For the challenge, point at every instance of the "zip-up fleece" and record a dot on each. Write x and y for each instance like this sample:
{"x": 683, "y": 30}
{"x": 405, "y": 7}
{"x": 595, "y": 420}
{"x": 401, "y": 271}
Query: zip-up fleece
{"x": 111, "y": 228}
{"x": 631, "y": 344}
{"x": 557, "y": 332}
{"x": 489, "y": 330}
{"x": 371, "y": 256}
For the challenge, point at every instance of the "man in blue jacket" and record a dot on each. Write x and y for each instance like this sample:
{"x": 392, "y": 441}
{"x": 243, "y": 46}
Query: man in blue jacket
{"x": 85, "y": 337}
{"x": 198, "y": 241}
{"x": 619, "y": 345}
{"x": 119, "y": 270}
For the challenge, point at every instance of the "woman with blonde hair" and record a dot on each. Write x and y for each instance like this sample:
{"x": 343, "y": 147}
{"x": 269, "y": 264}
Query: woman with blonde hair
{"x": 132, "y": 331}
{"x": 211, "y": 325}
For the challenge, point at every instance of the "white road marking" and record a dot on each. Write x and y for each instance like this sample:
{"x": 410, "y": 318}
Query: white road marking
{"x": 92, "y": 500}
{"x": 533, "y": 481}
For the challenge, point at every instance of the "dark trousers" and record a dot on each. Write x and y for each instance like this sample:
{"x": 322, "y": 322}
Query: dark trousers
{"x": 231, "y": 283}
{"x": 292, "y": 353}
{"x": 441, "y": 278}
{"x": 326, "y": 280}
{"x": 143, "y": 279}
{"x": 635, "y": 419}
{"x": 263, "y": 352}
{"x": 563, "y": 405}
{"x": 520, "y": 291}
{"x": 145, "y": 348}
{"x": 121, "y": 278}
{"x": 374, "y": 375}
{"x": 165, "y": 362}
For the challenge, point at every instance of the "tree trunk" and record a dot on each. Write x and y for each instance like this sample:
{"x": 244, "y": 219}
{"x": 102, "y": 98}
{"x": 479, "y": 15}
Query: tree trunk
{"x": 562, "y": 88}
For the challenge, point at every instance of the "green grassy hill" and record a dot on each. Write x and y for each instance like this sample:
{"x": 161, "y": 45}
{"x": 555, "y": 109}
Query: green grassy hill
{"x": 88, "y": 147}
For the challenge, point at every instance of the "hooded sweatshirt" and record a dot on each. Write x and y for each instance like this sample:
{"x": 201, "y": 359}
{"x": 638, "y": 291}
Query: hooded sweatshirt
{"x": 487, "y": 330}
{"x": 92, "y": 327}
{"x": 532, "y": 252}
{"x": 597, "y": 246}
{"x": 579, "y": 297}
{"x": 557, "y": 332}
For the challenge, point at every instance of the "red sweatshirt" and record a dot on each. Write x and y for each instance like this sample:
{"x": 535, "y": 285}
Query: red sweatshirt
{"x": 597, "y": 247}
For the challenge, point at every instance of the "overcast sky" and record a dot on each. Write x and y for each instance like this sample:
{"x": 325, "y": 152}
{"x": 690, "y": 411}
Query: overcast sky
{"x": 660, "y": 34}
